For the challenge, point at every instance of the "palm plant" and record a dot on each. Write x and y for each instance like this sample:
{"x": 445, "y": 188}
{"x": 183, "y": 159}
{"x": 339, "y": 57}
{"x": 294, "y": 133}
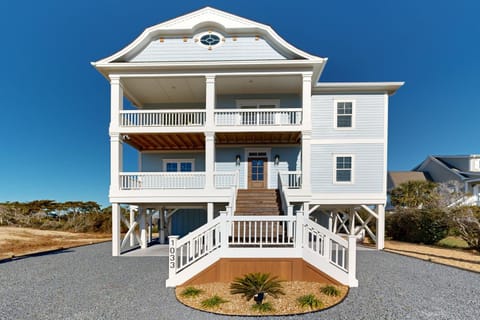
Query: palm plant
{"x": 253, "y": 284}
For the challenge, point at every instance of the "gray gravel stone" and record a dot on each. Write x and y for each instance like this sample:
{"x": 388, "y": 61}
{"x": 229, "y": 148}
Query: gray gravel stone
{"x": 87, "y": 283}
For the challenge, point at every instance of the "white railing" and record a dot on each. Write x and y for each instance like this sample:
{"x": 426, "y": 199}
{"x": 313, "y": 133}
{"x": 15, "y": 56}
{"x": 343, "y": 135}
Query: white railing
{"x": 161, "y": 118}
{"x": 197, "y": 244}
{"x": 225, "y": 180}
{"x": 326, "y": 244}
{"x": 291, "y": 179}
{"x": 258, "y": 117}
{"x": 262, "y": 236}
{"x": 260, "y": 231}
{"x": 162, "y": 180}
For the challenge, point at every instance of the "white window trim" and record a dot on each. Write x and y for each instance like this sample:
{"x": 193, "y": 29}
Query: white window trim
{"x": 334, "y": 166}
{"x": 198, "y": 36}
{"x": 178, "y": 161}
{"x": 245, "y": 165}
{"x": 335, "y": 118}
{"x": 257, "y": 102}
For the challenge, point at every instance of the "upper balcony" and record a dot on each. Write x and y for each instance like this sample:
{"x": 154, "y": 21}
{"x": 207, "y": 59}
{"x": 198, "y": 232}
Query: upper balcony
{"x": 266, "y": 102}
{"x": 271, "y": 119}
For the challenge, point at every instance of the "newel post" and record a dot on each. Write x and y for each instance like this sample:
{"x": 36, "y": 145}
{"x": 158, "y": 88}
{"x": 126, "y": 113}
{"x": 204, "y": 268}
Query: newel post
{"x": 352, "y": 261}
{"x": 299, "y": 230}
{"x": 172, "y": 256}
{"x": 224, "y": 227}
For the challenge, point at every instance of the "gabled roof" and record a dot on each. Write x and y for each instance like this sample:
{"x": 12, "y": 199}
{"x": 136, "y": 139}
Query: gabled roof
{"x": 396, "y": 178}
{"x": 211, "y": 18}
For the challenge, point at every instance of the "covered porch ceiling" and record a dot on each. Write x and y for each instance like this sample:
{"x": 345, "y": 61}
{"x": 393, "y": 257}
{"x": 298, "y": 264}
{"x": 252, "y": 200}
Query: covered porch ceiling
{"x": 150, "y": 91}
{"x": 196, "y": 141}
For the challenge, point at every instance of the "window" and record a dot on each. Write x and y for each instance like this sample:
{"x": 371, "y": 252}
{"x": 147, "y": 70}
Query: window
{"x": 343, "y": 169}
{"x": 344, "y": 114}
{"x": 209, "y": 39}
{"x": 181, "y": 165}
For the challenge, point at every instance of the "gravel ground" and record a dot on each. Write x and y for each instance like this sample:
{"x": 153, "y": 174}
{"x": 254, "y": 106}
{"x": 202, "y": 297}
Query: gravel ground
{"x": 87, "y": 283}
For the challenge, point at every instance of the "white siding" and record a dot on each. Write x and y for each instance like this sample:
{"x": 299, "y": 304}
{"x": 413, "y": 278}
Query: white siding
{"x": 369, "y": 110}
{"x": 175, "y": 49}
{"x": 368, "y": 168}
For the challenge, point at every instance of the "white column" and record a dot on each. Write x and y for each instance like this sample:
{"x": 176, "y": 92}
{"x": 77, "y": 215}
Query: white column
{"x": 209, "y": 102}
{"x": 116, "y": 102}
{"x": 330, "y": 222}
{"x": 306, "y": 161}
{"x": 209, "y": 211}
{"x": 116, "y": 162}
{"x": 132, "y": 221}
{"x": 209, "y": 160}
{"x": 115, "y": 229}
{"x": 307, "y": 130}
{"x": 380, "y": 227}
{"x": 143, "y": 229}
{"x": 351, "y": 221}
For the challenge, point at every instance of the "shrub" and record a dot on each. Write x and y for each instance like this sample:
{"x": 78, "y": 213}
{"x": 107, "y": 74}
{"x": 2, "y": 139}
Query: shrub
{"x": 191, "y": 292}
{"x": 263, "y": 307}
{"x": 417, "y": 225}
{"x": 254, "y": 283}
{"x": 466, "y": 222}
{"x": 330, "y": 290}
{"x": 309, "y": 300}
{"x": 213, "y": 302}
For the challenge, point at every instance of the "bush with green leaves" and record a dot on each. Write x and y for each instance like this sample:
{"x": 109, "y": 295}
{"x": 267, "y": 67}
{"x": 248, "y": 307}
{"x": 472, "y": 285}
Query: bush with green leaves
{"x": 191, "y": 292}
{"x": 213, "y": 302}
{"x": 263, "y": 307}
{"x": 254, "y": 283}
{"x": 330, "y": 290}
{"x": 426, "y": 226}
{"x": 310, "y": 301}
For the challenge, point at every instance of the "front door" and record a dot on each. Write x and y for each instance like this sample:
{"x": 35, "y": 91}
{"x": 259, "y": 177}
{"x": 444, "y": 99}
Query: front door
{"x": 257, "y": 173}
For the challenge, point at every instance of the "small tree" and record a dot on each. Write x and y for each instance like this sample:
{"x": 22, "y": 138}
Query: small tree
{"x": 415, "y": 194}
{"x": 466, "y": 221}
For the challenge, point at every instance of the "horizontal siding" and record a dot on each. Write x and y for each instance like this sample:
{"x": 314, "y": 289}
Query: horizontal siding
{"x": 368, "y": 168}
{"x": 225, "y": 161}
{"x": 369, "y": 116}
{"x": 175, "y": 49}
{"x": 153, "y": 162}
{"x": 289, "y": 159}
{"x": 286, "y": 100}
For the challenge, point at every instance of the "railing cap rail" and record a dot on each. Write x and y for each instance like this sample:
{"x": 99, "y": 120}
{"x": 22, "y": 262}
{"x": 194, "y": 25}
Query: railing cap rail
{"x": 157, "y": 173}
{"x": 259, "y": 110}
{"x": 163, "y": 111}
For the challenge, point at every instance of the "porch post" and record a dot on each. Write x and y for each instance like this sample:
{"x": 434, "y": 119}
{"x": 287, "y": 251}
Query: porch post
{"x": 150, "y": 225}
{"x": 143, "y": 231}
{"x": 307, "y": 130}
{"x": 380, "y": 227}
{"x": 210, "y": 102}
{"x": 209, "y": 211}
{"x": 132, "y": 221}
{"x": 116, "y": 149}
{"x": 115, "y": 229}
{"x": 209, "y": 160}
{"x": 161, "y": 227}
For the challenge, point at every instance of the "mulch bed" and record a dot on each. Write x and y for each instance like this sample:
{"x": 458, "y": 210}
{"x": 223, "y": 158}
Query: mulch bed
{"x": 284, "y": 305}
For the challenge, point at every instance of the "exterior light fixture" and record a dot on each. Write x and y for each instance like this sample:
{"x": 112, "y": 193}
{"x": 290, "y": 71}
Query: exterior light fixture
{"x": 276, "y": 159}
{"x": 237, "y": 160}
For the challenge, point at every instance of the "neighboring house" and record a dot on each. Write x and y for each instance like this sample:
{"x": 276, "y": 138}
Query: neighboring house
{"x": 464, "y": 169}
{"x": 239, "y": 144}
{"x": 396, "y": 178}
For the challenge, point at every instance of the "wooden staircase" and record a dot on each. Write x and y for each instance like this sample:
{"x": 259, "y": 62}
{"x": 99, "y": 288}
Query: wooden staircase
{"x": 258, "y": 202}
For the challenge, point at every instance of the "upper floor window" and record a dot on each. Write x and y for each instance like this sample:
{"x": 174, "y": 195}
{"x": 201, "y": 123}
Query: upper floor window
{"x": 344, "y": 115}
{"x": 180, "y": 165}
{"x": 343, "y": 169}
{"x": 209, "y": 39}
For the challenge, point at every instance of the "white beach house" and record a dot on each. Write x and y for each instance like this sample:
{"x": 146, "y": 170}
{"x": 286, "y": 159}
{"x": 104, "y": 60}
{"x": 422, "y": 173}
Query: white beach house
{"x": 247, "y": 158}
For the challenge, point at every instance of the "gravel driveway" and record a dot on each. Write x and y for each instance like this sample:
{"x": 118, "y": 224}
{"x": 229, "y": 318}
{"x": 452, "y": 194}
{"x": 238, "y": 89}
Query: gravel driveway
{"x": 87, "y": 283}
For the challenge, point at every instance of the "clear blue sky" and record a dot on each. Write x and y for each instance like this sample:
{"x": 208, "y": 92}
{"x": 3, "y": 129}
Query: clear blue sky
{"x": 55, "y": 106}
